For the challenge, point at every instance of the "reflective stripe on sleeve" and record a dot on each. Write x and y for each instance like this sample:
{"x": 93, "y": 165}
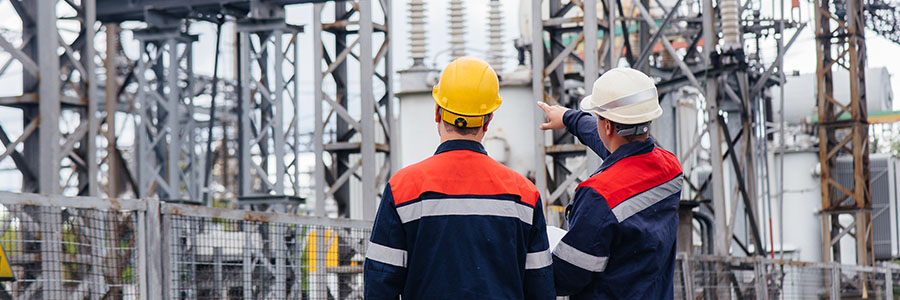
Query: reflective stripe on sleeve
{"x": 642, "y": 201}
{"x": 385, "y": 254}
{"x": 537, "y": 260}
{"x": 580, "y": 259}
{"x": 472, "y": 207}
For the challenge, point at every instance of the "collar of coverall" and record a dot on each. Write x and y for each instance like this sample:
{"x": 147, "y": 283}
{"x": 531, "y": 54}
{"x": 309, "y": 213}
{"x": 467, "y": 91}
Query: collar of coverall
{"x": 630, "y": 149}
{"x": 460, "y": 145}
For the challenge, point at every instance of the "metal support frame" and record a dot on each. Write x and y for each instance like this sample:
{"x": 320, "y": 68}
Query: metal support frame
{"x": 724, "y": 77}
{"x": 357, "y": 147}
{"x": 841, "y": 44}
{"x": 168, "y": 163}
{"x": 58, "y": 154}
{"x": 269, "y": 150}
{"x": 564, "y": 78}
{"x": 557, "y": 181}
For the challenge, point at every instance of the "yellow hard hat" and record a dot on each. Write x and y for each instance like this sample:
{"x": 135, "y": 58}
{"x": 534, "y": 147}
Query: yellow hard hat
{"x": 467, "y": 92}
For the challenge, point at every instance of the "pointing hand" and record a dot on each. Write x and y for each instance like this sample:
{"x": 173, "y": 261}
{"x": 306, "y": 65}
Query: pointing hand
{"x": 554, "y": 114}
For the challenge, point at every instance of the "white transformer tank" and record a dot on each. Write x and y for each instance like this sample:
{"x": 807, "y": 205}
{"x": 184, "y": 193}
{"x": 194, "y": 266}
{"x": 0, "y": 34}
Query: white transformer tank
{"x": 800, "y": 94}
{"x": 510, "y": 138}
{"x": 802, "y": 204}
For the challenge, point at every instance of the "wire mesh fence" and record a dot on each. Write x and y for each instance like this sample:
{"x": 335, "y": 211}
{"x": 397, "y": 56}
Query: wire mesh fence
{"x": 69, "y": 253}
{"x": 225, "y": 254}
{"x": 711, "y": 277}
{"x": 89, "y": 248}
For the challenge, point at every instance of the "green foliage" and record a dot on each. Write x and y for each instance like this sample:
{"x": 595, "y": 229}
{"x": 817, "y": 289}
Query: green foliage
{"x": 887, "y": 141}
{"x": 128, "y": 274}
{"x": 10, "y": 238}
{"x": 221, "y": 203}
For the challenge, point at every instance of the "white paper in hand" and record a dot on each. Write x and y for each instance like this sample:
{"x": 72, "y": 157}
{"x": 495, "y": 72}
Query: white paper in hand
{"x": 555, "y": 234}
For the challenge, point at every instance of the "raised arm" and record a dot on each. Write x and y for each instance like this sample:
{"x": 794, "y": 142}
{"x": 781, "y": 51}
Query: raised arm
{"x": 580, "y": 124}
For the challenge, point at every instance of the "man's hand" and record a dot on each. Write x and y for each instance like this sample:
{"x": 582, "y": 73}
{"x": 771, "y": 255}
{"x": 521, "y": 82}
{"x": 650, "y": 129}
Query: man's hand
{"x": 554, "y": 114}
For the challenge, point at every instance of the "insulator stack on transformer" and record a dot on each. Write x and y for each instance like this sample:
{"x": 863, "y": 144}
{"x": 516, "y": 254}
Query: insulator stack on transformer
{"x": 731, "y": 26}
{"x": 495, "y": 36}
{"x": 417, "y": 45}
{"x": 457, "y": 29}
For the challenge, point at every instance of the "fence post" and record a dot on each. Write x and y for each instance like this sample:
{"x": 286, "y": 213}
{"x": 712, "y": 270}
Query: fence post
{"x": 888, "y": 282}
{"x": 155, "y": 285}
{"x": 687, "y": 277}
{"x": 835, "y": 281}
{"x": 143, "y": 273}
{"x": 320, "y": 287}
{"x": 247, "y": 261}
{"x": 760, "y": 268}
{"x": 50, "y": 219}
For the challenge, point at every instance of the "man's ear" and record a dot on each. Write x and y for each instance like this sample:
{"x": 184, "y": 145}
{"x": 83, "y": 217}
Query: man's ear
{"x": 437, "y": 114}
{"x": 608, "y": 128}
{"x": 487, "y": 120}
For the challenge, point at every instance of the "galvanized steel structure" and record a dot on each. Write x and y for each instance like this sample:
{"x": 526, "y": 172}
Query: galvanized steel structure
{"x": 57, "y": 150}
{"x": 735, "y": 105}
{"x": 167, "y": 156}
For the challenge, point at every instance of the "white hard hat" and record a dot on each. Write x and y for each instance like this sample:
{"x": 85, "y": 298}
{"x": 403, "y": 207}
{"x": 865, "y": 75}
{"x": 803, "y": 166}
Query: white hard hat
{"x": 624, "y": 96}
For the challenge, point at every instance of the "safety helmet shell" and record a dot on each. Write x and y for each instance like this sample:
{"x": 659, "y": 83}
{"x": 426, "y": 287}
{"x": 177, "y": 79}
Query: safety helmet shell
{"x": 624, "y": 96}
{"x": 468, "y": 87}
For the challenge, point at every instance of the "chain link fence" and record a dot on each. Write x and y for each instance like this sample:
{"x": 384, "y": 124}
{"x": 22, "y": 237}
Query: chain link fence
{"x": 228, "y": 254}
{"x": 78, "y": 249}
{"x": 712, "y": 277}
{"x": 90, "y": 248}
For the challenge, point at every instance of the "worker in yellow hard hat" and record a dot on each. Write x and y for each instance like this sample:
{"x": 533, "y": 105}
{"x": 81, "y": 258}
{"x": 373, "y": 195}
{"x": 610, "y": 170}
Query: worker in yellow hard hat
{"x": 459, "y": 225}
{"x": 624, "y": 219}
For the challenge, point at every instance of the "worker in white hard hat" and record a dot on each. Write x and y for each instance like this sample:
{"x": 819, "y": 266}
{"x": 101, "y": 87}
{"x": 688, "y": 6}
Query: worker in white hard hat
{"x": 460, "y": 225}
{"x": 622, "y": 220}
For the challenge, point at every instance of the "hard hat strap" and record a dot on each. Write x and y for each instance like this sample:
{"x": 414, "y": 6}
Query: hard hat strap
{"x": 627, "y": 100}
{"x": 636, "y": 129}
{"x": 462, "y": 120}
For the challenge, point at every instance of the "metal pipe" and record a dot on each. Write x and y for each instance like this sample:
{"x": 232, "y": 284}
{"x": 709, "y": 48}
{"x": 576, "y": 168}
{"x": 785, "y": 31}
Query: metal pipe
{"x": 781, "y": 138}
{"x": 212, "y": 116}
{"x": 709, "y": 233}
{"x": 112, "y": 162}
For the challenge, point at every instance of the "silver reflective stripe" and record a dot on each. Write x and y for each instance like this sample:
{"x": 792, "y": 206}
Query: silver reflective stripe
{"x": 456, "y": 206}
{"x": 642, "y": 201}
{"x": 385, "y": 254}
{"x": 626, "y": 100}
{"x": 537, "y": 260}
{"x": 580, "y": 259}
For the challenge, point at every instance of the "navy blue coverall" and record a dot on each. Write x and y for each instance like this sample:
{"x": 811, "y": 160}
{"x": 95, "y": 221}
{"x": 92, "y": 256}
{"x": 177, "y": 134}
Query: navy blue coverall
{"x": 622, "y": 223}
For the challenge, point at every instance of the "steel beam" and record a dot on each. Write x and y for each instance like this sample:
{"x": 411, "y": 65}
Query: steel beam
{"x": 840, "y": 43}
{"x": 351, "y": 139}
{"x": 269, "y": 51}
{"x": 49, "y": 105}
{"x": 167, "y": 162}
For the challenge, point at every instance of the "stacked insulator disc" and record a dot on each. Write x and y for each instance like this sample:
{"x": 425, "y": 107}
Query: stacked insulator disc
{"x": 457, "y": 29}
{"x": 417, "y": 45}
{"x": 495, "y": 36}
{"x": 731, "y": 26}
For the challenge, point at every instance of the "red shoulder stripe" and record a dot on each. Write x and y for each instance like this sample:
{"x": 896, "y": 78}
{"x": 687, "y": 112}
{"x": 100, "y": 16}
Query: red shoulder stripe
{"x": 460, "y": 173}
{"x": 633, "y": 175}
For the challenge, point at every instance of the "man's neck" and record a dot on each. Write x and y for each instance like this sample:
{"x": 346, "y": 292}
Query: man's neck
{"x": 450, "y": 136}
{"x": 618, "y": 141}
